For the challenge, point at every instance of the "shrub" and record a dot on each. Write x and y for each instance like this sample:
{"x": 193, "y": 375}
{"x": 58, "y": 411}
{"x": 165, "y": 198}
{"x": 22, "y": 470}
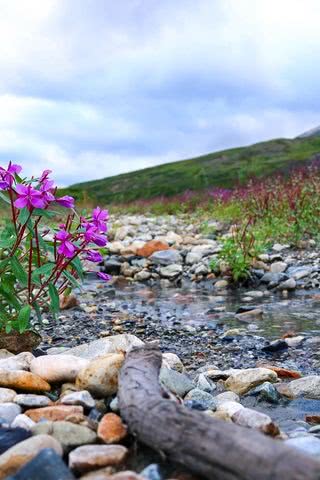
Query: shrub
{"x": 38, "y": 263}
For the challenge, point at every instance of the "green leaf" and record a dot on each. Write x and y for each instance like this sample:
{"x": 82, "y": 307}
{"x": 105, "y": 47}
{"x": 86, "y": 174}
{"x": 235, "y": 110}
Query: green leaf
{"x": 38, "y": 311}
{"x": 23, "y": 318}
{"x": 71, "y": 279}
{"x": 45, "y": 269}
{"x": 18, "y": 271}
{"x": 44, "y": 213}
{"x": 10, "y": 298}
{"x": 23, "y": 216}
{"x": 8, "y": 328}
{"x": 7, "y": 242}
{"x": 54, "y": 298}
{"x": 77, "y": 265}
{"x": 5, "y": 198}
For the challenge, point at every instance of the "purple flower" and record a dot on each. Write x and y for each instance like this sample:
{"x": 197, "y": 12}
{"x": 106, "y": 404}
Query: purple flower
{"x": 104, "y": 276}
{"x": 44, "y": 176}
{"x": 7, "y": 176}
{"x": 66, "y": 248}
{"x": 99, "y": 218}
{"x": 46, "y": 189}
{"x": 91, "y": 235}
{"x": 28, "y": 197}
{"x": 66, "y": 201}
{"x": 94, "y": 256}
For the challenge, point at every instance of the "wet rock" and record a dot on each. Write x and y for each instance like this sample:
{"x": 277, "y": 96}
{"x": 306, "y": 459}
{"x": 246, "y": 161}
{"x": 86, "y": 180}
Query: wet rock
{"x": 18, "y": 362}
{"x": 248, "y": 315}
{"x": 68, "y": 434}
{"x": 22, "y": 421}
{"x": 6, "y": 395}
{"x": 21, "y": 380}
{"x": 47, "y": 465}
{"x": 103, "y": 346}
{"x": 111, "y": 429}
{"x": 54, "y": 413}
{"x": 82, "y": 398}
{"x": 171, "y": 271}
{"x": 307, "y": 444}
{"x": 113, "y": 267}
{"x": 278, "y": 247}
{"x": 11, "y": 436}
{"x": 151, "y": 247}
{"x": 58, "y": 368}
{"x": 114, "y": 405}
{"x": 204, "y": 398}
{"x": 30, "y": 400}
{"x": 171, "y": 360}
{"x": 91, "y": 457}
{"x": 127, "y": 475}
{"x": 176, "y": 382}
{"x": 247, "y": 417}
{"x": 9, "y": 411}
{"x": 18, "y": 455}
{"x": 221, "y": 284}
{"x": 100, "y": 377}
{"x": 243, "y": 381}
{"x": 308, "y": 387}
{"x": 266, "y": 392}
{"x": 273, "y": 278}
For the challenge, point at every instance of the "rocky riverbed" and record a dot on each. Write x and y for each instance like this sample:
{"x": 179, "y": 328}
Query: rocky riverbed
{"x": 248, "y": 356}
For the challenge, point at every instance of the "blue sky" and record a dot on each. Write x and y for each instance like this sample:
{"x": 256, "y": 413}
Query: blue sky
{"x": 92, "y": 88}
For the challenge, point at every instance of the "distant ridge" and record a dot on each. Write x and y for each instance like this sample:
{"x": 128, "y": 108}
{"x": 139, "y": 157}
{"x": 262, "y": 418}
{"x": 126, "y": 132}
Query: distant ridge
{"x": 224, "y": 169}
{"x": 314, "y": 132}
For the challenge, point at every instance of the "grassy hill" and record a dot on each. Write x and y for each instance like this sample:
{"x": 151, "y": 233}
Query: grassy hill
{"x": 220, "y": 169}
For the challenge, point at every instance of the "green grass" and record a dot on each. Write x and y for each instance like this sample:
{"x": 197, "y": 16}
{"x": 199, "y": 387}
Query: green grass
{"x": 221, "y": 169}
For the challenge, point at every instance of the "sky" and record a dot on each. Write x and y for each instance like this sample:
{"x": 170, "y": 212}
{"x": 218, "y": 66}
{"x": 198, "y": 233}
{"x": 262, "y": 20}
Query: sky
{"x": 93, "y": 88}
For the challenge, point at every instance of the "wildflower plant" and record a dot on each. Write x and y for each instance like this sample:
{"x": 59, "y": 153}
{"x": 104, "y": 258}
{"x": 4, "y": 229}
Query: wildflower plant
{"x": 39, "y": 263}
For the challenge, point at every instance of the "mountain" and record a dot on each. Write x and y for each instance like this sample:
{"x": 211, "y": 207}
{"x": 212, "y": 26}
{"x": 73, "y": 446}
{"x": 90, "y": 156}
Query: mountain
{"x": 221, "y": 169}
{"x": 314, "y": 132}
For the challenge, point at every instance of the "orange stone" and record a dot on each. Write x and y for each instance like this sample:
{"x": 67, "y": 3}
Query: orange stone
{"x": 111, "y": 429}
{"x": 314, "y": 419}
{"x": 282, "y": 372}
{"x": 69, "y": 301}
{"x": 21, "y": 380}
{"x": 151, "y": 247}
{"x": 54, "y": 413}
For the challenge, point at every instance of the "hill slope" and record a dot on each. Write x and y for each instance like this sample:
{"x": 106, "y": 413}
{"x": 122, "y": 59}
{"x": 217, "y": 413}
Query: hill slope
{"x": 220, "y": 169}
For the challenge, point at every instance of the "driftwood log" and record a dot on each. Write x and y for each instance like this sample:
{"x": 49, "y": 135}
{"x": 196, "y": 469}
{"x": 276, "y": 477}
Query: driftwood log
{"x": 212, "y": 448}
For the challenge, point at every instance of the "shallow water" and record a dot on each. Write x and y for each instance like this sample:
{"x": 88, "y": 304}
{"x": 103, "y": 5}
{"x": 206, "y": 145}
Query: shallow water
{"x": 196, "y": 306}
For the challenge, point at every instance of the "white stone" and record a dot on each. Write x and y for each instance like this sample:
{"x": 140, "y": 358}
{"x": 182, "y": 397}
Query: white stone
{"x": 58, "y": 368}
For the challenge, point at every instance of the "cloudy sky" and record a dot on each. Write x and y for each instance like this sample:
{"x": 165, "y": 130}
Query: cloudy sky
{"x": 92, "y": 88}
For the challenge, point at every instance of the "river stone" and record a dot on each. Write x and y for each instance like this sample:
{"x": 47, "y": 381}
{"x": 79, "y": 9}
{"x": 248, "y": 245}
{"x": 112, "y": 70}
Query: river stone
{"x": 53, "y": 413}
{"x": 265, "y": 392}
{"x": 58, "y": 368}
{"x": 171, "y": 271}
{"x": 243, "y": 381}
{"x": 126, "y": 475}
{"x": 204, "y": 398}
{"x": 205, "y": 384}
{"x": 289, "y": 284}
{"x": 225, "y": 397}
{"x": 278, "y": 267}
{"x": 21, "y": 361}
{"x": 68, "y": 434}
{"x": 178, "y": 383}
{"x": 247, "y": 417}
{"x": 11, "y": 436}
{"x": 116, "y": 343}
{"x": 47, "y": 465}
{"x": 171, "y": 360}
{"x": 21, "y": 380}
{"x": 91, "y": 457}
{"x": 100, "y": 377}
{"x": 82, "y": 398}
{"x": 166, "y": 257}
{"x": 307, "y": 444}
{"x": 22, "y": 421}
{"x": 19, "y": 342}
{"x": 308, "y": 387}
{"x": 23, "y": 452}
{"x": 111, "y": 429}
{"x": 9, "y": 411}
{"x": 7, "y": 395}
{"x": 30, "y": 400}
{"x": 229, "y": 408}
{"x": 142, "y": 276}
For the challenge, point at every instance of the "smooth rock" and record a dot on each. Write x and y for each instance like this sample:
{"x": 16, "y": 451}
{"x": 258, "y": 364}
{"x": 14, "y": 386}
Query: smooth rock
{"x": 58, "y": 368}
{"x": 171, "y": 271}
{"x": 294, "y": 342}
{"x": 111, "y": 429}
{"x": 100, "y": 377}
{"x": 247, "y": 417}
{"x": 22, "y": 421}
{"x": 47, "y": 465}
{"x": 171, "y": 360}
{"x": 91, "y": 457}
{"x": 142, "y": 276}
{"x": 205, "y": 384}
{"x": 116, "y": 343}
{"x": 21, "y": 380}
{"x": 204, "y": 398}
{"x": 152, "y": 472}
{"x": 9, "y": 411}
{"x": 289, "y": 284}
{"x": 266, "y": 392}
{"x": 83, "y": 398}
{"x": 30, "y": 400}
{"x": 307, "y": 444}
{"x": 308, "y": 387}
{"x": 278, "y": 267}
{"x": 281, "y": 372}
{"x": 7, "y": 395}
{"x": 21, "y": 361}
{"x": 53, "y": 413}
{"x": 23, "y": 452}
{"x": 225, "y": 397}
{"x": 166, "y": 257}
{"x": 243, "y": 381}
{"x": 151, "y": 247}
{"x": 68, "y": 434}
{"x": 11, "y": 436}
{"x": 229, "y": 408}
{"x": 177, "y": 383}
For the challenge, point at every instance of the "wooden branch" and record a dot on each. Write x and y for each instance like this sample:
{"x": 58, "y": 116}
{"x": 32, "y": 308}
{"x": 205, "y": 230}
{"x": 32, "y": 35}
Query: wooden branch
{"x": 215, "y": 449}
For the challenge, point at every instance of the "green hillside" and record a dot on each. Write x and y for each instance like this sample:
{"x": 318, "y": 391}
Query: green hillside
{"x": 220, "y": 169}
